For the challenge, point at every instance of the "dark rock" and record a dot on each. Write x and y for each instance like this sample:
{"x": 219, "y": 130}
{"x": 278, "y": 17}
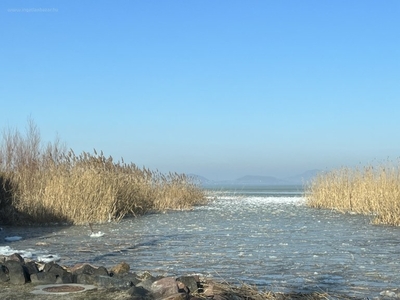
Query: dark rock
{"x": 43, "y": 278}
{"x": 164, "y": 287}
{"x": 147, "y": 283}
{"x": 129, "y": 277}
{"x": 113, "y": 282}
{"x": 191, "y": 282}
{"x": 104, "y": 281}
{"x": 84, "y": 279}
{"x": 101, "y": 271}
{"x": 31, "y": 268}
{"x": 16, "y": 272}
{"x": 4, "y": 277}
{"x": 89, "y": 269}
{"x": 55, "y": 269}
{"x": 67, "y": 277}
{"x": 138, "y": 293}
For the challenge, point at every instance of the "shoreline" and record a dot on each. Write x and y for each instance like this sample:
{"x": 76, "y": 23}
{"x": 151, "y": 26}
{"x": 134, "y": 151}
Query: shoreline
{"x": 21, "y": 278}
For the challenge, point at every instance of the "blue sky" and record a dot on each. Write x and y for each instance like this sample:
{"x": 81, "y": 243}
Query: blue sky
{"x": 217, "y": 88}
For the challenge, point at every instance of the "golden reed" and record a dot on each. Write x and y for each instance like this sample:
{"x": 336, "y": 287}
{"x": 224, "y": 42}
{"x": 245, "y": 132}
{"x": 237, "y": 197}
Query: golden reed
{"x": 371, "y": 190}
{"x": 51, "y": 185}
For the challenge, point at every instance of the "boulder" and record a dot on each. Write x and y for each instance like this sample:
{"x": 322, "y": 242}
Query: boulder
{"x": 146, "y": 283}
{"x": 84, "y": 279}
{"x": 88, "y": 269}
{"x": 4, "y": 277}
{"x": 67, "y": 277}
{"x": 16, "y": 272}
{"x": 104, "y": 281}
{"x": 43, "y": 278}
{"x": 164, "y": 287}
{"x": 31, "y": 268}
{"x": 138, "y": 293}
{"x": 121, "y": 268}
{"x": 55, "y": 269}
{"x": 113, "y": 282}
{"x": 129, "y": 277}
{"x": 191, "y": 282}
{"x": 16, "y": 257}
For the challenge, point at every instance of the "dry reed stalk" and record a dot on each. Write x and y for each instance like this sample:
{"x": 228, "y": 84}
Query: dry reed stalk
{"x": 49, "y": 184}
{"x": 371, "y": 191}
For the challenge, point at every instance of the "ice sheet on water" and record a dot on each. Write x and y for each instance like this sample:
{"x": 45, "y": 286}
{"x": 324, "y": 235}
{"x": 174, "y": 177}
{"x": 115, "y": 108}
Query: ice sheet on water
{"x": 225, "y": 201}
{"x": 42, "y": 256}
{"x": 97, "y": 234}
{"x": 12, "y": 238}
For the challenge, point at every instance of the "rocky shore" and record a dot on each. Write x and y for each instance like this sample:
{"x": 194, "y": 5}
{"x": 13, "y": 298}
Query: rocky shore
{"x": 26, "y": 279}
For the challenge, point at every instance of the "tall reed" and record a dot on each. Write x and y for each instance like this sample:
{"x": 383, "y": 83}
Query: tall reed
{"x": 370, "y": 190}
{"x": 49, "y": 184}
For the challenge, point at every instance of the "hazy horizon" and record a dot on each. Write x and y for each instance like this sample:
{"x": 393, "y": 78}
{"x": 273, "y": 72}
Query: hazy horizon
{"x": 222, "y": 89}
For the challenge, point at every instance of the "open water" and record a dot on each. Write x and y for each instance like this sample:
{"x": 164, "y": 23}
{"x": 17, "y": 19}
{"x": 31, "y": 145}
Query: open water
{"x": 262, "y": 236}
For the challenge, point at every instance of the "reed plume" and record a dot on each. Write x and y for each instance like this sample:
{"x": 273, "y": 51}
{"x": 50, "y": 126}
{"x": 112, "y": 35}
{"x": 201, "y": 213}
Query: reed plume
{"x": 50, "y": 184}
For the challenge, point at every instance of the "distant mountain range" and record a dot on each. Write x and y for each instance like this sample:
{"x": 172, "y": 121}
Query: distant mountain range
{"x": 260, "y": 180}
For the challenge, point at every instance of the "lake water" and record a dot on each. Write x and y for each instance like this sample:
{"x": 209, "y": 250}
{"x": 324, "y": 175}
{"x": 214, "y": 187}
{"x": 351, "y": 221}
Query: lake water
{"x": 263, "y": 236}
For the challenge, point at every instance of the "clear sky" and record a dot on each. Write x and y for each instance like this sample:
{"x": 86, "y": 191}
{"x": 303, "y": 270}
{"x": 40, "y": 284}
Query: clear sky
{"x": 216, "y": 88}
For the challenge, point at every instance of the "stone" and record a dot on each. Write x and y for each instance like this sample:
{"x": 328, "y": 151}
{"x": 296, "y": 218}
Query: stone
{"x": 104, "y": 281}
{"x": 89, "y": 269}
{"x": 164, "y": 287}
{"x": 16, "y": 272}
{"x": 55, "y": 269}
{"x": 121, "y": 268}
{"x": 102, "y": 271}
{"x": 146, "y": 283}
{"x": 138, "y": 292}
{"x": 16, "y": 257}
{"x": 67, "y": 277}
{"x": 191, "y": 282}
{"x": 84, "y": 279}
{"x": 130, "y": 277}
{"x": 113, "y": 282}
{"x": 43, "y": 278}
{"x": 4, "y": 277}
{"x": 31, "y": 268}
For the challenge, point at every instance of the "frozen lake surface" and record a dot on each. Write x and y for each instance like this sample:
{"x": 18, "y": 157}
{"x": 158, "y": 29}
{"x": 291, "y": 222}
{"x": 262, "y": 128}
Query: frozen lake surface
{"x": 260, "y": 236}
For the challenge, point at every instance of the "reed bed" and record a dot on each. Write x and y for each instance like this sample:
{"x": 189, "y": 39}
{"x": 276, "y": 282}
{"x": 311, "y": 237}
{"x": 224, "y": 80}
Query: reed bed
{"x": 47, "y": 184}
{"x": 371, "y": 191}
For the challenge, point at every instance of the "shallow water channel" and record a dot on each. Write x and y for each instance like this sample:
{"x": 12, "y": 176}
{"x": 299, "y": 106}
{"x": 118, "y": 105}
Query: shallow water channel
{"x": 260, "y": 236}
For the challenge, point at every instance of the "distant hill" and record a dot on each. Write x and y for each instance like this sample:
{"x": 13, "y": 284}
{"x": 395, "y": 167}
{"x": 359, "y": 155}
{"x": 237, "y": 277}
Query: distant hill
{"x": 299, "y": 179}
{"x": 260, "y": 180}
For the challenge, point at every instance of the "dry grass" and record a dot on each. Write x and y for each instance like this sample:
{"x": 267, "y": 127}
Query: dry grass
{"x": 226, "y": 291}
{"x": 371, "y": 191}
{"x": 49, "y": 184}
